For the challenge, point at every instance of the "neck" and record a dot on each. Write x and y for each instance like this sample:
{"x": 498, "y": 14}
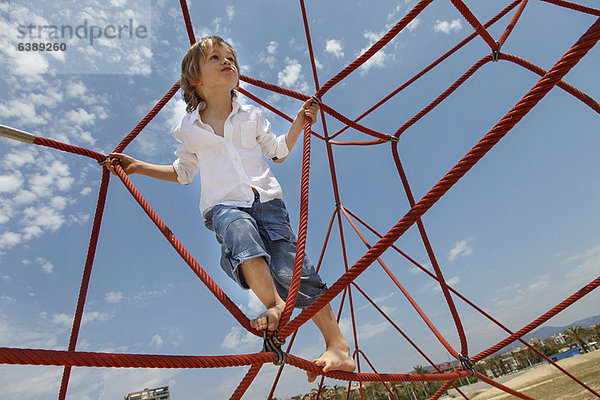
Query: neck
{"x": 218, "y": 104}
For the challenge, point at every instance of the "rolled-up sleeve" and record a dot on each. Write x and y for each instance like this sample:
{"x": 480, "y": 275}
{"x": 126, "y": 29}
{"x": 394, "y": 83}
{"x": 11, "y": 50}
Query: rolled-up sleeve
{"x": 272, "y": 146}
{"x": 186, "y": 165}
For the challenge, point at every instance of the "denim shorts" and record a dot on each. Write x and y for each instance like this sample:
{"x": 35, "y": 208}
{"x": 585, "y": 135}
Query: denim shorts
{"x": 262, "y": 230}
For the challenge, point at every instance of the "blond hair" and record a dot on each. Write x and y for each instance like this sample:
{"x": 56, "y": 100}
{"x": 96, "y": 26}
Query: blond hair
{"x": 190, "y": 69}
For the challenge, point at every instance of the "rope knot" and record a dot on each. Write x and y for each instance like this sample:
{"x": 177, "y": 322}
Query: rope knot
{"x": 273, "y": 344}
{"x": 496, "y": 53}
{"x": 466, "y": 364}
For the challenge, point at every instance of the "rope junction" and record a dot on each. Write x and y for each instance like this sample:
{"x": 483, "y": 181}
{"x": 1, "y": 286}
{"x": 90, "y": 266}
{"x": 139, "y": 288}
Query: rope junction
{"x": 272, "y": 350}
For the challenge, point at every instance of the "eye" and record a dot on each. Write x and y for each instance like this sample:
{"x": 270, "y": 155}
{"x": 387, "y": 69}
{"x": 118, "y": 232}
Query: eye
{"x": 214, "y": 57}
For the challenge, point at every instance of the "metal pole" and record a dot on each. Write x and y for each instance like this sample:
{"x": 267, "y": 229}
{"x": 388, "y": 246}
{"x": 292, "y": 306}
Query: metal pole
{"x": 16, "y": 134}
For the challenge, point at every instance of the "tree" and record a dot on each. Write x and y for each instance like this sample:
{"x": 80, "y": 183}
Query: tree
{"x": 496, "y": 365}
{"x": 339, "y": 392}
{"x": 576, "y": 335}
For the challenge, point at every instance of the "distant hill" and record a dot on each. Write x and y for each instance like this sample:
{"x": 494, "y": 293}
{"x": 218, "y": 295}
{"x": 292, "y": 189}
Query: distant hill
{"x": 547, "y": 331}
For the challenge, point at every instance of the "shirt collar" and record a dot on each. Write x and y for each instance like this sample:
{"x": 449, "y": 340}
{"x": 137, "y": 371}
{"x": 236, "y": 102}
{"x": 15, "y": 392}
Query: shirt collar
{"x": 235, "y": 107}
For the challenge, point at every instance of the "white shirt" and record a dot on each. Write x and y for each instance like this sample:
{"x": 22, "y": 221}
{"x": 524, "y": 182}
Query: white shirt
{"x": 232, "y": 165}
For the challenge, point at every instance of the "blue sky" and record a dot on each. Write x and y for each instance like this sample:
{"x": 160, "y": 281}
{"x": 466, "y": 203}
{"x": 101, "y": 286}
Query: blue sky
{"x": 516, "y": 235}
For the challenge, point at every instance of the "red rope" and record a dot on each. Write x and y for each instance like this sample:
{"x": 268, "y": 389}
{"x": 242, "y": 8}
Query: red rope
{"x": 182, "y": 251}
{"x": 471, "y": 304}
{"x": 472, "y": 19}
{"x": 68, "y": 148}
{"x": 593, "y": 104}
{"x": 291, "y": 93}
{"x": 504, "y": 388}
{"x": 512, "y": 23}
{"x": 549, "y": 79}
{"x": 85, "y": 280}
{"x": 432, "y": 258}
{"x": 551, "y": 313}
{"x": 246, "y": 381}
{"x": 432, "y": 65}
{"x": 376, "y": 47}
{"x": 188, "y": 21}
{"x": 574, "y": 6}
{"x": 142, "y": 124}
{"x": 20, "y": 356}
{"x": 302, "y": 230}
{"x": 405, "y": 292}
{"x": 564, "y": 65}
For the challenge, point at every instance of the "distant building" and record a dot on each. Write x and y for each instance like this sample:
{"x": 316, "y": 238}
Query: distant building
{"x": 558, "y": 338}
{"x": 161, "y": 393}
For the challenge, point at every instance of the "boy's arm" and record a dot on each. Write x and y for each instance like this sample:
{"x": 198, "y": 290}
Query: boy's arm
{"x": 308, "y": 109}
{"x": 132, "y": 166}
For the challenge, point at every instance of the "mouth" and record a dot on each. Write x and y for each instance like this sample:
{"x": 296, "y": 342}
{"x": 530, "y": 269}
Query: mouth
{"x": 227, "y": 69}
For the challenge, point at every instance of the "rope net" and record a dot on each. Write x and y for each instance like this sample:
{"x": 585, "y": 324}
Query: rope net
{"x": 346, "y": 284}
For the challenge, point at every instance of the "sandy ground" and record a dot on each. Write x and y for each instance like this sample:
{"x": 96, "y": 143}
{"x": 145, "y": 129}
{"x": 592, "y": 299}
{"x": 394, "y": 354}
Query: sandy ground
{"x": 545, "y": 382}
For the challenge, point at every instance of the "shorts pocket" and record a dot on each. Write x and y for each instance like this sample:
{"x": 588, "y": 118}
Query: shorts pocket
{"x": 280, "y": 232}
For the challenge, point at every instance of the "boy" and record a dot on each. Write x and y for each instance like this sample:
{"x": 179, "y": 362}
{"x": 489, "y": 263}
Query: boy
{"x": 240, "y": 197}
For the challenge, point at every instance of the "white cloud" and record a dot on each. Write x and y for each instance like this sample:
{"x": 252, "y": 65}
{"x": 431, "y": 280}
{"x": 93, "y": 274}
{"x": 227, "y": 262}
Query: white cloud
{"x": 9, "y": 239}
{"x": 461, "y": 248}
{"x": 7, "y": 299}
{"x": 379, "y": 59}
{"x": 412, "y": 25}
{"x": 447, "y": 27}
{"x": 334, "y": 47}
{"x": 89, "y": 317}
{"x": 76, "y": 89}
{"x": 114, "y": 297}
{"x": 540, "y": 282}
{"x": 272, "y": 47}
{"x": 29, "y": 63}
{"x": 19, "y": 158}
{"x": 44, "y": 218}
{"x": 23, "y": 111}
{"x": 146, "y": 295}
{"x": 174, "y": 112}
{"x": 230, "y": 10}
{"x": 10, "y": 183}
{"x": 291, "y": 76}
{"x": 156, "y": 341}
{"x": 239, "y": 338}
{"x": 80, "y": 117}
{"x": 46, "y": 265}
{"x": 395, "y": 11}
{"x": 66, "y": 320}
{"x": 254, "y": 305}
{"x": 416, "y": 270}
{"x": 62, "y": 319}
{"x": 365, "y": 331}
{"x": 455, "y": 280}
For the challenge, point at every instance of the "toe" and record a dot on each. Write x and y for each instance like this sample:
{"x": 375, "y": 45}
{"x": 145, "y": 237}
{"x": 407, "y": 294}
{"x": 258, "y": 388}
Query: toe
{"x": 272, "y": 325}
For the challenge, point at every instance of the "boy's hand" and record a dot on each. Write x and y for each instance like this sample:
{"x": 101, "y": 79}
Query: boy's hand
{"x": 128, "y": 163}
{"x": 310, "y": 109}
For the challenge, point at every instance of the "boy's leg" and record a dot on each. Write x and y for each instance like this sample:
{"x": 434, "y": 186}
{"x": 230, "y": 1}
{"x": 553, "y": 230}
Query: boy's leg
{"x": 337, "y": 354}
{"x": 257, "y": 275}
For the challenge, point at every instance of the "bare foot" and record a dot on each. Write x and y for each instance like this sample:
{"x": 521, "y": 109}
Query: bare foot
{"x": 334, "y": 359}
{"x": 268, "y": 320}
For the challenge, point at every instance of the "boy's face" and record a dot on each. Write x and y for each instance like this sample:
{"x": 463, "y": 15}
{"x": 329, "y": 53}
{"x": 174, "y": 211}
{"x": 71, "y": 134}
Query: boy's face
{"x": 218, "y": 70}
